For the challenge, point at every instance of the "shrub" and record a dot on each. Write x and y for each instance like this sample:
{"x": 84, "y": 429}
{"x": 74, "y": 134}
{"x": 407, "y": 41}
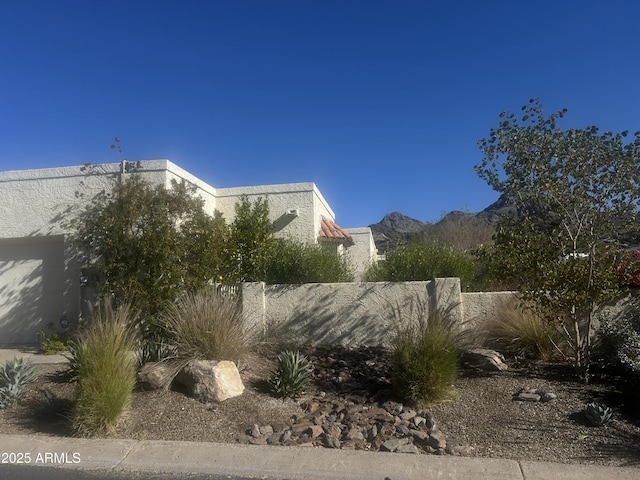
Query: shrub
{"x": 51, "y": 340}
{"x": 418, "y": 261}
{"x": 425, "y": 357}
{"x": 292, "y": 375}
{"x": 628, "y": 271}
{"x": 597, "y": 414}
{"x": 155, "y": 348}
{"x": 619, "y": 340}
{"x": 207, "y": 324}
{"x": 294, "y": 262}
{"x": 520, "y": 333}
{"x": 14, "y": 378}
{"x": 106, "y": 369}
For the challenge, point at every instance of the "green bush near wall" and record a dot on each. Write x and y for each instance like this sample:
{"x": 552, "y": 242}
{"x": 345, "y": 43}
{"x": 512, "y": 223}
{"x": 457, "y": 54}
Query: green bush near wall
{"x": 294, "y": 263}
{"x": 424, "y": 262}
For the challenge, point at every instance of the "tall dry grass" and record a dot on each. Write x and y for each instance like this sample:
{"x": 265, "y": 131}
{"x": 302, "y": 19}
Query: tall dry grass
{"x": 425, "y": 352}
{"x": 208, "y": 325}
{"x": 105, "y": 369}
{"x": 520, "y": 333}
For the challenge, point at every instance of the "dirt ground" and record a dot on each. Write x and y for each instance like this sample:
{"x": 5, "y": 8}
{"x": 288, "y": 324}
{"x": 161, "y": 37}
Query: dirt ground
{"x": 485, "y": 417}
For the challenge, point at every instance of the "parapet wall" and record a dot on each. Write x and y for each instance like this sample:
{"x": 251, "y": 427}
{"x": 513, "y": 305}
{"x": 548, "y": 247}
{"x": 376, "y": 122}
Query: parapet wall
{"x": 358, "y": 313}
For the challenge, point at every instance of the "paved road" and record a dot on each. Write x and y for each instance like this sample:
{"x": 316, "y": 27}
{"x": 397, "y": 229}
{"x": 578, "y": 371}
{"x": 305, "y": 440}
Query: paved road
{"x": 30, "y": 472}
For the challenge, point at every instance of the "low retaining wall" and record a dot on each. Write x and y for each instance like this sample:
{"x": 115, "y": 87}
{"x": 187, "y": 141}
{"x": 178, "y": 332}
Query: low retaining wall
{"x": 358, "y": 313}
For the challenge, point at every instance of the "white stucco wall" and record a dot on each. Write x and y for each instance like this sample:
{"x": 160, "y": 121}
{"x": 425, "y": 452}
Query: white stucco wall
{"x": 303, "y": 197}
{"x": 36, "y": 287}
{"x": 39, "y": 279}
{"x": 344, "y": 313}
{"x": 359, "y": 313}
{"x": 37, "y": 202}
{"x": 478, "y": 307}
{"x": 363, "y": 252}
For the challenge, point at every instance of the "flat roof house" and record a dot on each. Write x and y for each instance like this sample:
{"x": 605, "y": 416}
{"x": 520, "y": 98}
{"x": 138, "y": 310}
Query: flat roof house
{"x": 39, "y": 279}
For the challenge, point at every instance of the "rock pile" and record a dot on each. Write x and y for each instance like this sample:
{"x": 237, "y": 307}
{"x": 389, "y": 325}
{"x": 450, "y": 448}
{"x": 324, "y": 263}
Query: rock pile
{"x": 351, "y": 423}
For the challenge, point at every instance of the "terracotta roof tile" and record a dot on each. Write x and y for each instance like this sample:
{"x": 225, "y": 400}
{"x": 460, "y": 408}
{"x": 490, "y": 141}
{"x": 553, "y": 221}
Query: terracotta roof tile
{"x": 332, "y": 231}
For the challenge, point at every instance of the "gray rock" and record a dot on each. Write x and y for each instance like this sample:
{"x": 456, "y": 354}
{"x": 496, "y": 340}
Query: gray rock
{"x": 155, "y": 376}
{"x": 485, "y": 359}
{"x": 393, "y": 444}
{"x": 437, "y": 440}
{"x": 394, "y": 408}
{"x": 417, "y": 420}
{"x": 314, "y": 431}
{"x": 333, "y": 430}
{"x": 285, "y": 435}
{"x": 418, "y": 434}
{"x": 408, "y": 415}
{"x": 330, "y": 441}
{"x": 408, "y": 448}
{"x": 255, "y": 431}
{"x": 266, "y": 430}
{"x": 528, "y": 397}
{"x": 548, "y": 396}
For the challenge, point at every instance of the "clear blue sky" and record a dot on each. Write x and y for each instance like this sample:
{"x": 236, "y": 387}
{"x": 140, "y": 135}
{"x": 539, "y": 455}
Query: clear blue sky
{"x": 380, "y": 103}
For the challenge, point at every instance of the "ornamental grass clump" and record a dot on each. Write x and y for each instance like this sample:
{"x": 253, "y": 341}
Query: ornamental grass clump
{"x": 520, "y": 333}
{"x": 14, "y": 378}
{"x": 207, "y": 325}
{"x": 105, "y": 369}
{"x": 425, "y": 356}
{"x": 292, "y": 375}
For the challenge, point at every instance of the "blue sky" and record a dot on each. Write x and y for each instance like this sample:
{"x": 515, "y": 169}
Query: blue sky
{"x": 379, "y": 103}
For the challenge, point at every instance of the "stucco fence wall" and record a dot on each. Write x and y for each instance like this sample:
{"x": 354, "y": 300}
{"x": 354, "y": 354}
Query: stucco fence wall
{"x": 358, "y": 313}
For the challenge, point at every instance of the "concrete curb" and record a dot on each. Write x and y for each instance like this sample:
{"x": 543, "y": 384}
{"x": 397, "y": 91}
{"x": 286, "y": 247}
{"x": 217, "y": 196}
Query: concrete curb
{"x": 295, "y": 463}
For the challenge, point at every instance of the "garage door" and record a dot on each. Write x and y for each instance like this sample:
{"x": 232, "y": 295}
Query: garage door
{"x": 31, "y": 287}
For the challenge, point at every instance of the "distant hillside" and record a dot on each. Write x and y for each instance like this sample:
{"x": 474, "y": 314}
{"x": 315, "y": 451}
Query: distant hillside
{"x": 462, "y": 230}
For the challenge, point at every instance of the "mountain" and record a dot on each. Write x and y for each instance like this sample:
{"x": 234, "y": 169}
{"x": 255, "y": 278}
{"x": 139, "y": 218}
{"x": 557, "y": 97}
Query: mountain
{"x": 463, "y": 230}
{"x": 393, "y": 229}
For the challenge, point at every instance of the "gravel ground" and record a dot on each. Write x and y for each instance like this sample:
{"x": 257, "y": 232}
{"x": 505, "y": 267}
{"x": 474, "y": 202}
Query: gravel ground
{"x": 485, "y": 417}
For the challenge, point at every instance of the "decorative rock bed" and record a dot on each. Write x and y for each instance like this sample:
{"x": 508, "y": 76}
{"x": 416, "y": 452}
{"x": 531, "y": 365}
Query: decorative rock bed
{"x": 352, "y": 424}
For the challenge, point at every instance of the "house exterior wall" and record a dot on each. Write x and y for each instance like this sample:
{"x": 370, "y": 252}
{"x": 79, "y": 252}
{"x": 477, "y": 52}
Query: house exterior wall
{"x": 303, "y": 197}
{"x": 363, "y": 252}
{"x": 38, "y": 202}
{"x": 39, "y": 278}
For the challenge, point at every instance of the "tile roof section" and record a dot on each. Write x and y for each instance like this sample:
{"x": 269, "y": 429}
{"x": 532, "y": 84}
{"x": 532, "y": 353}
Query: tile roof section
{"x": 331, "y": 231}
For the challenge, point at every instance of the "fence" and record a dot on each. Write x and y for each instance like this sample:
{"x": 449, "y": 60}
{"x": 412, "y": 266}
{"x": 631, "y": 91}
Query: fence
{"x": 358, "y": 313}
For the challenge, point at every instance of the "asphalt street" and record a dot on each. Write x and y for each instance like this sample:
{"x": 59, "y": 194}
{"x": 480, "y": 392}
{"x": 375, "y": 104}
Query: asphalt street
{"x": 31, "y": 472}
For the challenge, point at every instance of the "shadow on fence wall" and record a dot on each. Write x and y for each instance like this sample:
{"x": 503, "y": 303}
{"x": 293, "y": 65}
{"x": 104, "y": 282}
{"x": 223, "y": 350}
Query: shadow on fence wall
{"x": 354, "y": 313}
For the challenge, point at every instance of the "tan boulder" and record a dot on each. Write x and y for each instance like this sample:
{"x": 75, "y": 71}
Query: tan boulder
{"x": 211, "y": 381}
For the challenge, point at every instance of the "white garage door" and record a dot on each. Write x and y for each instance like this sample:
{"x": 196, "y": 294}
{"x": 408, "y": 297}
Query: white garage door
{"x": 31, "y": 287}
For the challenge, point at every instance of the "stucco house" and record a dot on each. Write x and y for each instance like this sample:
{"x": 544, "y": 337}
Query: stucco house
{"x": 41, "y": 283}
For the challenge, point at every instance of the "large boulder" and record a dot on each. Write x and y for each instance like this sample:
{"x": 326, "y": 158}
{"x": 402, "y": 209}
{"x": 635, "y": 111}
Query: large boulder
{"x": 485, "y": 359}
{"x": 211, "y": 381}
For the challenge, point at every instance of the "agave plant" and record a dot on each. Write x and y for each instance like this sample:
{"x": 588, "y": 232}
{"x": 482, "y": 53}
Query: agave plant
{"x": 14, "y": 378}
{"x": 597, "y": 414}
{"x": 291, "y": 376}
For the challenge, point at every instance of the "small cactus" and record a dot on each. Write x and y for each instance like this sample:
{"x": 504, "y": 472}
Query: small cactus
{"x": 597, "y": 414}
{"x": 291, "y": 376}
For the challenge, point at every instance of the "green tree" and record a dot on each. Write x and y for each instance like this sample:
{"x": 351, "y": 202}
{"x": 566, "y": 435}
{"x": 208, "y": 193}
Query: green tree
{"x": 250, "y": 242}
{"x": 149, "y": 242}
{"x": 576, "y": 192}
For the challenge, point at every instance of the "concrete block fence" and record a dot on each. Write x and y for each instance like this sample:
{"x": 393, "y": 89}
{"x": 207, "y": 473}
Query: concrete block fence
{"x": 359, "y": 313}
